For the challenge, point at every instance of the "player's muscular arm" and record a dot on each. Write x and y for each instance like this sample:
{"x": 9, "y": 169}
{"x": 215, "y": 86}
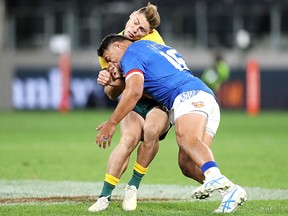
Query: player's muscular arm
{"x": 131, "y": 94}
{"x": 115, "y": 89}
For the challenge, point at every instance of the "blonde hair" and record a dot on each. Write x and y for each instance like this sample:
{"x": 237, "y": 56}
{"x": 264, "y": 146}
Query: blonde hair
{"x": 151, "y": 14}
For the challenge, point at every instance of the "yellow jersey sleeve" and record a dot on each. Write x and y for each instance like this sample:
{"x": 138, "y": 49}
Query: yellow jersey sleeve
{"x": 102, "y": 62}
{"x": 153, "y": 36}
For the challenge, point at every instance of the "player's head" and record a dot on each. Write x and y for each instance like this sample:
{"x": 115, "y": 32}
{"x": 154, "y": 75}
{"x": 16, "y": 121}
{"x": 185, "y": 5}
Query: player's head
{"x": 113, "y": 47}
{"x": 142, "y": 22}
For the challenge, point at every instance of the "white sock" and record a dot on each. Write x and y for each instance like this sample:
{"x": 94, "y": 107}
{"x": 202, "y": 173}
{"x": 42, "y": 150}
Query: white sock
{"x": 212, "y": 173}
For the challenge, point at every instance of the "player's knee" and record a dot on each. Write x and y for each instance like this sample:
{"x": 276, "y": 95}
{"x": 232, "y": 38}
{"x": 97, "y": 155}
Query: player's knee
{"x": 153, "y": 131}
{"x": 186, "y": 141}
{"x": 151, "y": 134}
{"x": 180, "y": 136}
{"x": 129, "y": 141}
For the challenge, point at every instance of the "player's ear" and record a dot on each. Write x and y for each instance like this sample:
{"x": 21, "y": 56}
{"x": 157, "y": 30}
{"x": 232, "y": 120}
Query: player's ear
{"x": 117, "y": 44}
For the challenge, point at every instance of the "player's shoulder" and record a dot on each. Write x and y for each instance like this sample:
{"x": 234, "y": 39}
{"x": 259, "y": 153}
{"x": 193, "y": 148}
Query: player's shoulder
{"x": 155, "y": 37}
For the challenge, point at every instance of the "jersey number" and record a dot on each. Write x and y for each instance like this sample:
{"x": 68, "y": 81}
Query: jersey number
{"x": 175, "y": 60}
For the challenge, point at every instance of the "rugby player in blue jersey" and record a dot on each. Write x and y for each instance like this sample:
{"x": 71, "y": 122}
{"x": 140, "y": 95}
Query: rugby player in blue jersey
{"x": 161, "y": 72}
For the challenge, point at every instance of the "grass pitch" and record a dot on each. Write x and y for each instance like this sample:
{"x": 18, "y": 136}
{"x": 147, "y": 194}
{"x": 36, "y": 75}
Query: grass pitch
{"x": 52, "y": 146}
{"x": 253, "y": 208}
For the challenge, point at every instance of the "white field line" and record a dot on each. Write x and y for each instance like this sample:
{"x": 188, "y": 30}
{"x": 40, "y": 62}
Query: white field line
{"x": 43, "y": 189}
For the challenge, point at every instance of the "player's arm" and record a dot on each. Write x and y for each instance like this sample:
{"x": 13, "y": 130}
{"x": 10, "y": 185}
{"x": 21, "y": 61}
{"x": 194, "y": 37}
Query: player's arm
{"x": 115, "y": 89}
{"x": 132, "y": 93}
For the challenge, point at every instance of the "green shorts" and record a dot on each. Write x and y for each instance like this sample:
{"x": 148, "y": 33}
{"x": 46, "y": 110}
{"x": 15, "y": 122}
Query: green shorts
{"x": 144, "y": 106}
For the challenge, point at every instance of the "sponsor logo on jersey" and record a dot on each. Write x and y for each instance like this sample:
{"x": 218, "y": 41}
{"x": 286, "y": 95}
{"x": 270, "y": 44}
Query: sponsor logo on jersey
{"x": 198, "y": 104}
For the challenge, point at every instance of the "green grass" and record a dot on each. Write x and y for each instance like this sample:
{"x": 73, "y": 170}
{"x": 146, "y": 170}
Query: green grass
{"x": 251, "y": 208}
{"x": 55, "y": 146}
{"x": 251, "y": 151}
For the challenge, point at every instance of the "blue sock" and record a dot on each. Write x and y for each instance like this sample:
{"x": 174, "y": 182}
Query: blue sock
{"x": 208, "y": 165}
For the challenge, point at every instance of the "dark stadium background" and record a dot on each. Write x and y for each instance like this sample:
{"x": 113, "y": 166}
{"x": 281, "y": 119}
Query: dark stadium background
{"x": 197, "y": 28}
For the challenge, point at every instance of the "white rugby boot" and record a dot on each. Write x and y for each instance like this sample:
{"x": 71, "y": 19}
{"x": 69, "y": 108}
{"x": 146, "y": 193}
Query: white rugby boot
{"x": 130, "y": 198}
{"x": 205, "y": 191}
{"x": 233, "y": 197}
{"x": 100, "y": 205}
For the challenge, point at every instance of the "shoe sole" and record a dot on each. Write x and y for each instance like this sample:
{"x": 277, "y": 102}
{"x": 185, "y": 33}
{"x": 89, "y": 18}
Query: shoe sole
{"x": 96, "y": 210}
{"x": 125, "y": 208}
{"x": 129, "y": 209}
{"x": 208, "y": 193}
{"x": 201, "y": 196}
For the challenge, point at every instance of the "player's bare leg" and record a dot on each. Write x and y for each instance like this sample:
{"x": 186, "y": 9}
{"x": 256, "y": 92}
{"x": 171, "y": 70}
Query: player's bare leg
{"x": 190, "y": 130}
{"x": 188, "y": 167}
{"x": 131, "y": 130}
{"x": 232, "y": 195}
{"x": 156, "y": 123}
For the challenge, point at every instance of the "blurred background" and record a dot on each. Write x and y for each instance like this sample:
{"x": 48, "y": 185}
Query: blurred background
{"x": 34, "y": 34}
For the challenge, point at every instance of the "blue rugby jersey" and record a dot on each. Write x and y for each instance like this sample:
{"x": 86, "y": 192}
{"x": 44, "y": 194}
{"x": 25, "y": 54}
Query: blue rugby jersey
{"x": 165, "y": 72}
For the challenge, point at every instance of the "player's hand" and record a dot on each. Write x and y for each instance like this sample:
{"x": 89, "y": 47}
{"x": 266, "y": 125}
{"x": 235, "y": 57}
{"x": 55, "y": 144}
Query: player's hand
{"x": 104, "y": 77}
{"x": 115, "y": 72}
{"x": 106, "y": 131}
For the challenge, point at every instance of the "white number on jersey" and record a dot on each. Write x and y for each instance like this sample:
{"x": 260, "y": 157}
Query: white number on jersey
{"x": 175, "y": 60}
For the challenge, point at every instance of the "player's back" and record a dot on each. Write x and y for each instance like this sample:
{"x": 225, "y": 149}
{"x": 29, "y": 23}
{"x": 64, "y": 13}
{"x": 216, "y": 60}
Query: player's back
{"x": 166, "y": 74}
